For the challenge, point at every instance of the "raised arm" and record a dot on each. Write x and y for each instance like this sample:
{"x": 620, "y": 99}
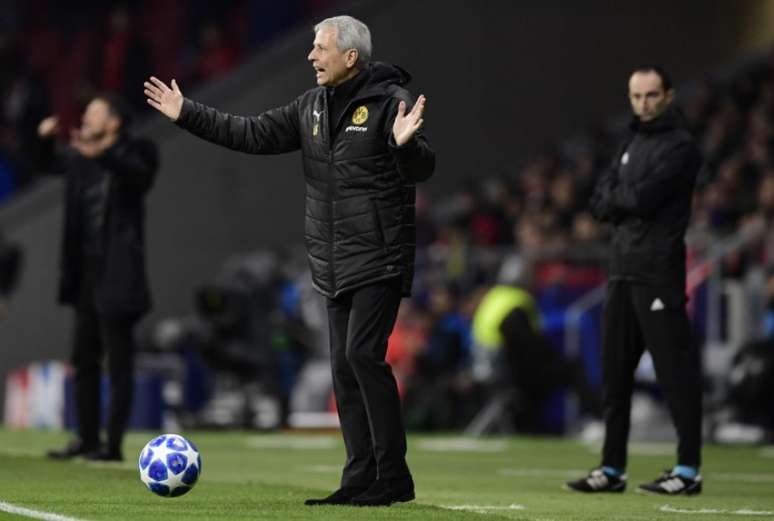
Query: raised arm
{"x": 416, "y": 160}
{"x": 273, "y": 132}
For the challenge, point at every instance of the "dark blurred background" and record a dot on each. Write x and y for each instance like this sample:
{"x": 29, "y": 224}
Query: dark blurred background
{"x": 525, "y": 103}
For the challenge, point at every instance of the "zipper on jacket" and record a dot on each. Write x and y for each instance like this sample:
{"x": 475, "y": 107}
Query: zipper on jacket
{"x": 332, "y": 199}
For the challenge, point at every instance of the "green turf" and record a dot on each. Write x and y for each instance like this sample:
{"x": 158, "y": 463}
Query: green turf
{"x": 252, "y": 476}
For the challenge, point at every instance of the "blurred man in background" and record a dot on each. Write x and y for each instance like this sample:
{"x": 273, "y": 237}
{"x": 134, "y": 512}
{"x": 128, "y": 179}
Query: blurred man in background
{"x": 103, "y": 271}
{"x": 646, "y": 195}
{"x": 362, "y": 153}
{"x": 11, "y": 258}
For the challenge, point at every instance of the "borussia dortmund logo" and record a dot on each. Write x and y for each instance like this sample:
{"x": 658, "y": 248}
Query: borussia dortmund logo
{"x": 360, "y": 116}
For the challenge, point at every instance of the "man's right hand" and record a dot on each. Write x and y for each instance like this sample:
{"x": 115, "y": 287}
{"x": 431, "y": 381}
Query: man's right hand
{"x": 167, "y": 101}
{"x": 48, "y": 127}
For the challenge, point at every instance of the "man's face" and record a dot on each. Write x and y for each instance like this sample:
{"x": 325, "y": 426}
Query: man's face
{"x": 333, "y": 66}
{"x": 97, "y": 120}
{"x": 647, "y": 95}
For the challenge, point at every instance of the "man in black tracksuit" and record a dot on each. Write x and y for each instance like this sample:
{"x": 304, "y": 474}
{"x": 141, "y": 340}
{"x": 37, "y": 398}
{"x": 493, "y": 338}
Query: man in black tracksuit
{"x": 647, "y": 195}
{"x": 362, "y": 153}
{"x": 102, "y": 267}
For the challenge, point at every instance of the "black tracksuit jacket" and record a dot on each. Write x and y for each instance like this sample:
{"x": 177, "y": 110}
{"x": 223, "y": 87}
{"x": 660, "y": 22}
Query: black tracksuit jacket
{"x": 646, "y": 194}
{"x": 121, "y": 286}
{"x": 360, "y": 191}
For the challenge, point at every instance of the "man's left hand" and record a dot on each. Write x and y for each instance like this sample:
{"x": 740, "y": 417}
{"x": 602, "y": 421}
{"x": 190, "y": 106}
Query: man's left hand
{"x": 406, "y": 125}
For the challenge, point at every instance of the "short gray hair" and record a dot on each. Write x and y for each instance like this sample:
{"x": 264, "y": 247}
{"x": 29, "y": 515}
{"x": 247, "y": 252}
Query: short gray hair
{"x": 351, "y": 34}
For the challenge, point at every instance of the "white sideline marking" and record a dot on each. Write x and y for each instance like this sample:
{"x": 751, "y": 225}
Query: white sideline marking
{"x": 12, "y": 451}
{"x": 292, "y": 442}
{"x": 34, "y": 514}
{"x": 740, "y": 512}
{"x": 484, "y": 509}
{"x": 543, "y": 473}
{"x": 462, "y": 445}
{"x": 767, "y": 452}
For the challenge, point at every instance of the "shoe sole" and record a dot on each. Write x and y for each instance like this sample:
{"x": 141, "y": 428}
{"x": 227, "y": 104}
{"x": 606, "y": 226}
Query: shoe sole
{"x": 402, "y": 499}
{"x": 609, "y": 491}
{"x": 647, "y": 492}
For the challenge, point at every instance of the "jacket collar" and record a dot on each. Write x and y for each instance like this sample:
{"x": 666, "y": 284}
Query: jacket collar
{"x": 667, "y": 121}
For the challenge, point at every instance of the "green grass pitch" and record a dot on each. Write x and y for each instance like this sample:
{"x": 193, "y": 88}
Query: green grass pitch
{"x": 267, "y": 476}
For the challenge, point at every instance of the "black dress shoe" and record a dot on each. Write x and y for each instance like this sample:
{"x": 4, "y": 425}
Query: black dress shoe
{"x": 385, "y": 492}
{"x": 342, "y": 496}
{"x": 104, "y": 454}
{"x": 73, "y": 449}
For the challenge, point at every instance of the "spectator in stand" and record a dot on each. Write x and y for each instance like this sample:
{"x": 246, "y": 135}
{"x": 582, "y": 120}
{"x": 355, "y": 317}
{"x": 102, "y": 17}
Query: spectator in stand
{"x": 217, "y": 56}
{"x": 24, "y": 104}
{"x": 562, "y": 198}
{"x": 124, "y": 62}
{"x": 439, "y": 394}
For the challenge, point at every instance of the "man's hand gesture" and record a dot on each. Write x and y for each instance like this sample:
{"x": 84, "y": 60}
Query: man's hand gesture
{"x": 167, "y": 101}
{"x": 48, "y": 127}
{"x": 91, "y": 148}
{"x": 407, "y": 124}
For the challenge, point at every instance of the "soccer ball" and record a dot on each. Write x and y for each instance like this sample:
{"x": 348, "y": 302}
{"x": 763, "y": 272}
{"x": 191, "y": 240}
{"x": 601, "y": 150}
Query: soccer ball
{"x": 170, "y": 465}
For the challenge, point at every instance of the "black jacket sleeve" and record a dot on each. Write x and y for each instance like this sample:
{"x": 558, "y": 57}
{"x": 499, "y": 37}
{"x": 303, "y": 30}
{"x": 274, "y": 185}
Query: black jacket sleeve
{"x": 53, "y": 156}
{"x": 645, "y": 197}
{"x": 600, "y": 205}
{"x": 416, "y": 160}
{"x": 273, "y": 132}
{"x": 133, "y": 163}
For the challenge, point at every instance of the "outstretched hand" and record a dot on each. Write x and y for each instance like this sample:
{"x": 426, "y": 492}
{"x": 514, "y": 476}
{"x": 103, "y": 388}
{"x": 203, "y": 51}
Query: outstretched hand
{"x": 406, "y": 125}
{"x": 168, "y": 101}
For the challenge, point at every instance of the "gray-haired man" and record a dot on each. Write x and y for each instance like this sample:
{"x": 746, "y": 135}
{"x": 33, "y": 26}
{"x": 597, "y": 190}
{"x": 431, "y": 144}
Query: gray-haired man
{"x": 362, "y": 153}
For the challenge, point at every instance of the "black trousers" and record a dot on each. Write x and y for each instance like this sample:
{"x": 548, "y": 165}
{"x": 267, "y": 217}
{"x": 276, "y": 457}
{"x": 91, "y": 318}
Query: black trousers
{"x": 96, "y": 335}
{"x": 636, "y": 318}
{"x": 366, "y": 393}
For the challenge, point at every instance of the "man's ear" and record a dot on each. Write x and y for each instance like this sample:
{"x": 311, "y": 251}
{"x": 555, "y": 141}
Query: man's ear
{"x": 670, "y": 95}
{"x": 352, "y": 56}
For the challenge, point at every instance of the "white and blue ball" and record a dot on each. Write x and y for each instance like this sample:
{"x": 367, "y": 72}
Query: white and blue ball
{"x": 170, "y": 465}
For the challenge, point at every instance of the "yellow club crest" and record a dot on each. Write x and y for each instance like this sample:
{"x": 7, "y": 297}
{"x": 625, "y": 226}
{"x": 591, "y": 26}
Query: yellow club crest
{"x": 360, "y": 115}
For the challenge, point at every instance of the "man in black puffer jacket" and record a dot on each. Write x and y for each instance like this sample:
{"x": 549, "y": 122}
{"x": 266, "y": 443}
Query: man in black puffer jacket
{"x": 647, "y": 195}
{"x": 362, "y": 153}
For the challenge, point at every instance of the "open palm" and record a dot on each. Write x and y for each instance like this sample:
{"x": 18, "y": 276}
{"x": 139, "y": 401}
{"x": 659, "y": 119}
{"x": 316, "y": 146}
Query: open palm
{"x": 406, "y": 125}
{"x": 168, "y": 101}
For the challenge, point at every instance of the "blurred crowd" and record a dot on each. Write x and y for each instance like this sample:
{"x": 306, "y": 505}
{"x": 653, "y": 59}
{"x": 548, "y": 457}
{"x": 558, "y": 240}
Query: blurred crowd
{"x": 527, "y": 227}
{"x": 468, "y": 351}
{"x": 54, "y": 56}
{"x": 531, "y": 227}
